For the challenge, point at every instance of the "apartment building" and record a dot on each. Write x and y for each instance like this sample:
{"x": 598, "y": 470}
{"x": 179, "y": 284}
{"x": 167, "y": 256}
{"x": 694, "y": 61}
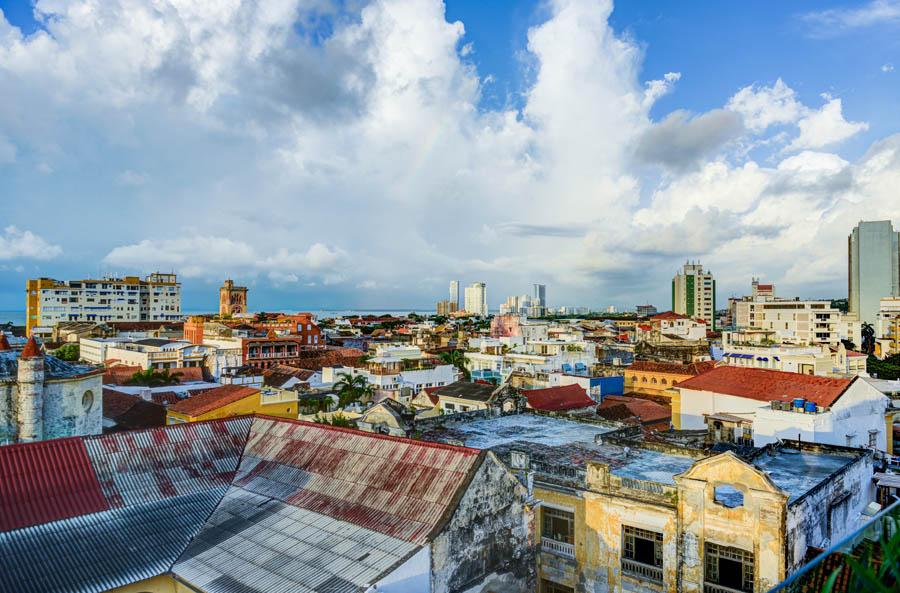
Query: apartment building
{"x": 694, "y": 294}
{"x": 619, "y": 514}
{"x": 155, "y": 298}
{"x": 399, "y": 372}
{"x": 873, "y": 252}
{"x": 476, "y": 299}
{"x": 498, "y": 358}
{"x": 888, "y": 327}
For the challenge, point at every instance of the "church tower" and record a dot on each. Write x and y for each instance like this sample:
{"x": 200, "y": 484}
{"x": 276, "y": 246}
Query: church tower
{"x": 232, "y": 299}
{"x": 30, "y": 403}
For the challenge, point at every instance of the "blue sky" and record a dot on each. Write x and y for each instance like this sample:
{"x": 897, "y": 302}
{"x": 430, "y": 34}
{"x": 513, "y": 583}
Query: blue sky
{"x": 364, "y": 153}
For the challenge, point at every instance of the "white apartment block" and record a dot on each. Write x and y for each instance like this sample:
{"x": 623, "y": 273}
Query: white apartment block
{"x": 476, "y": 299}
{"x": 147, "y": 353}
{"x": 155, "y": 298}
{"x": 505, "y": 356}
{"x": 796, "y": 321}
{"x": 398, "y": 371}
{"x": 817, "y": 359}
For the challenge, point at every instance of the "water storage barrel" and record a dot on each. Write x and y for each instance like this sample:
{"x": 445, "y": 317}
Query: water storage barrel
{"x": 798, "y": 403}
{"x": 810, "y": 407}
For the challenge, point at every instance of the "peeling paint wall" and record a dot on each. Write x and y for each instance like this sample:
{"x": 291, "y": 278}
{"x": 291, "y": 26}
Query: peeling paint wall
{"x": 489, "y": 534}
{"x": 827, "y": 514}
{"x": 63, "y": 407}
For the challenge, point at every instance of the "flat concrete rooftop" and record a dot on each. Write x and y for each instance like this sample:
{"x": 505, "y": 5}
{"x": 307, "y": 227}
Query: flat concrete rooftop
{"x": 798, "y": 472}
{"x": 488, "y": 433}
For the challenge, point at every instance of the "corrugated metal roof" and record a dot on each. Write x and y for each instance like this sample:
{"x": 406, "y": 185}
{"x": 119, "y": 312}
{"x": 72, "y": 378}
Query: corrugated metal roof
{"x": 254, "y": 544}
{"x": 399, "y": 487}
{"x": 46, "y": 481}
{"x": 97, "y": 552}
{"x": 149, "y": 465}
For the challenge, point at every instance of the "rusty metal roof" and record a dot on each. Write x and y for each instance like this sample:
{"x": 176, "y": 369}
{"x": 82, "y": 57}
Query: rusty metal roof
{"x": 148, "y": 465}
{"x": 399, "y": 487}
{"x": 46, "y": 481}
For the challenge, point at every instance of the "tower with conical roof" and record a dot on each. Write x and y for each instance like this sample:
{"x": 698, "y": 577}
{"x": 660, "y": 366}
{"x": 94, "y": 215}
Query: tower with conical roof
{"x": 30, "y": 400}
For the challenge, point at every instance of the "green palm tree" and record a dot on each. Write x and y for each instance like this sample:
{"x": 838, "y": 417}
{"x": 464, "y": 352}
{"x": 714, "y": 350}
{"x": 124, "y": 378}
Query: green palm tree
{"x": 154, "y": 378}
{"x": 458, "y": 359}
{"x": 353, "y": 388}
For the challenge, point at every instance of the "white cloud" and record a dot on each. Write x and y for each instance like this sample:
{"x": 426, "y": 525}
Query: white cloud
{"x": 825, "y": 127}
{"x": 17, "y": 243}
{"x": 132, "y": 178}
{"x": 764, "y": 106}
{"x": 210, "y": 257}
{"x": 836, "y": 20}
{"x": 369, "y": 156}
{"x": 887, "y": 68}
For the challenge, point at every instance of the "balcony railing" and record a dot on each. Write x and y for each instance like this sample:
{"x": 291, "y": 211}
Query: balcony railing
{"x": 642, "y": 571}
{"x": 559, "y": 548}
{"x": 713, "y": 588}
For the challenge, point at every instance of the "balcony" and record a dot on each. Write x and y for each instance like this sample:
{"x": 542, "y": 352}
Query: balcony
{"x": 642, "y": 571}
{"x": 713, "y": 588}
{"x": 559, "y": 548}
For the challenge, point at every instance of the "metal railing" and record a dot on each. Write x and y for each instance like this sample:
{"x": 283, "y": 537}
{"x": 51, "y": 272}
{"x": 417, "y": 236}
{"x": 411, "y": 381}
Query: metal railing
{"x": 642, "y": 571}
{"x": 558, "y": 548}
{"x": 886, "y": 523}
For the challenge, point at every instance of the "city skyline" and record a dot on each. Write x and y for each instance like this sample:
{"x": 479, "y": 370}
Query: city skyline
{"x": 329, "y": 119}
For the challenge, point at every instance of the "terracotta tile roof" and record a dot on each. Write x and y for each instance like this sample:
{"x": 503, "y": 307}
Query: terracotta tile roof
{"x": 558, "y": 399}
{"x": 854, "y": 353}
{"x": 667, "y": 315}
{"x": 649, "y": 412}
{"x": 116, "y": 403}
{"x": 120, "y": 374}
{"x": 131, "y": 412}
{"x": 675, "y": 368}
{"x": 768, "y": 385}
{"x": 31, "y": 349}
{"x": 212, "y": 399}
{"x": 395, "y": 486}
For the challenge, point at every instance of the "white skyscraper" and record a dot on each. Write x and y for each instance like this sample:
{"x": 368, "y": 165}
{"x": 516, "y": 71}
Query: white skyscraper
{"x": 694, "y": 294}
{"x": 540, "y": 295}
{"x": 476, "y": 299}
{"x": 454, "y": 292}
{"x": 874, "y": 268}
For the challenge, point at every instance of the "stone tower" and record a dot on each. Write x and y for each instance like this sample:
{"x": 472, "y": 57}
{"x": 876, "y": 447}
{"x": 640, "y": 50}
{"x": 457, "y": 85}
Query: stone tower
{"x": 232, "y": 299}
{"x": 30, "y": 404}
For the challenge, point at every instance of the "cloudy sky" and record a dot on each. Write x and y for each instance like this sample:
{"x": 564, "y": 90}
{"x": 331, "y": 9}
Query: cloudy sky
{"x": 353, "y": 153}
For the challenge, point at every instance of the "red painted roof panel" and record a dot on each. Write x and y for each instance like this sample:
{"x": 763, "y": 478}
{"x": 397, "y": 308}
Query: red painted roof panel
{"x": 46, "y": 481}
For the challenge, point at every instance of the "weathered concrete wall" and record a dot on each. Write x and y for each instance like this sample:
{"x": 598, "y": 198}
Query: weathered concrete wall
{"x": 29, "y": 400}
{"x": 489, "y": 534}
{"x": 8, "y": 428}
{"x": 825, "y": 515}
{"x": 756, "y": 526}
{"x": 555, "y": 568}
{"x": 66, "y": 412}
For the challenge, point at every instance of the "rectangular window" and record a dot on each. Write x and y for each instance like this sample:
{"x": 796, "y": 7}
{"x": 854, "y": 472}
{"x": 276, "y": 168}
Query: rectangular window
{"x": 873, "y": 438}
{"x": 558, "y": 525}
{"x": 642, "y": 553}
{"x": 731, "y": 568}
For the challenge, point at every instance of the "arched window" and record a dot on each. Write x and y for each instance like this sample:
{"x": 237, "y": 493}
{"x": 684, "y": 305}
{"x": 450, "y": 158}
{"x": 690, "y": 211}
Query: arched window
{"x": 634, "y": 379}
{"x": 664, "y": 382}
{"x": 653, "y": 380}
{"x": 643, "y": 379}
{"x": 87, "y": 401}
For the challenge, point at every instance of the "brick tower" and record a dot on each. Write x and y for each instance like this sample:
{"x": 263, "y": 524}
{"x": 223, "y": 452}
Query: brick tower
{"x": 232, "y": 299}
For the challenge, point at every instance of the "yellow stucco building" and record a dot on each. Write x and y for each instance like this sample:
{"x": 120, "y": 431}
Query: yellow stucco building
{"x": 233, "y": 400}
{"x": 658, "y": 378}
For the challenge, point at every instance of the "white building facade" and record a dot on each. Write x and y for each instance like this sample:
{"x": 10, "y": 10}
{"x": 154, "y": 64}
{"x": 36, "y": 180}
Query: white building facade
{"x": 476, "y": 299}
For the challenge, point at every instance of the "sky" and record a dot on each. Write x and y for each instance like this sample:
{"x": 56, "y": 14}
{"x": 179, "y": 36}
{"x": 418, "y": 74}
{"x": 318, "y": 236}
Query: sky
{"x": 363, "y": 153}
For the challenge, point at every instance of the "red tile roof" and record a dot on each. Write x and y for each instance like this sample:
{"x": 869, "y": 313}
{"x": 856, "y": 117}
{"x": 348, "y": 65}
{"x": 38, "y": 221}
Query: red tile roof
{"x": 854, "y": 353}
{"x": 767, "y": 385}
{"x": 31, "y": 349}
{"x": 558, "y": 399}
{"x": 131, "y": 412}
{"x": 399, "y": 487}
{"x": 649, "y": 412}
{"x": 666, "y": 315}
{"x": 4, "y": 343}
{"x": 120, "y": 374}
{"x": 46, "y": 481}
{"x": 212, "y": 399}
{"x": 675, "y": 368}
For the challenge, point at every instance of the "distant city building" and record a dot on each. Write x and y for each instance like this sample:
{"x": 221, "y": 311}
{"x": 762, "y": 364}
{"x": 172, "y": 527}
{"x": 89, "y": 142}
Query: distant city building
{"x": 646, "y": 310}
{"x": 446, "y": 308}
{"x": 476, "y": 299}
{"x": 454, "y": 294}
{"x": 540, "y": 295}
{"x": 611, "y": 309}
{"x": 694, "y": 294}
{"x": 49, "y": 301}
{"x": 232, "y": 299}
{"x": 43, "y": 397}
{"x": 762, "y": 292}
{"x": 874, "y": 268}
{"x": 888, "y": 327}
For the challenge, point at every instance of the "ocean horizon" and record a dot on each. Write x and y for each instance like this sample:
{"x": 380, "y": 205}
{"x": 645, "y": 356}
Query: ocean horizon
{"x": 17, "y": 317}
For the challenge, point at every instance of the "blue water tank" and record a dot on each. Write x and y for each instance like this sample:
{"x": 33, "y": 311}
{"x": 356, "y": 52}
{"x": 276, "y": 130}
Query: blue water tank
{"x": 798, "y": 403}
{"x": 810, "y": 407}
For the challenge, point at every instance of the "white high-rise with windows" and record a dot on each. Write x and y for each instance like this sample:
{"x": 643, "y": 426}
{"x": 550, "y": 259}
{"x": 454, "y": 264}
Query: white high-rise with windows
{"x": 694, "y": 294}
{"x": 873, "y": 268}
{"x": 476, "y": 299}
{"x": 454, "y": 293}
